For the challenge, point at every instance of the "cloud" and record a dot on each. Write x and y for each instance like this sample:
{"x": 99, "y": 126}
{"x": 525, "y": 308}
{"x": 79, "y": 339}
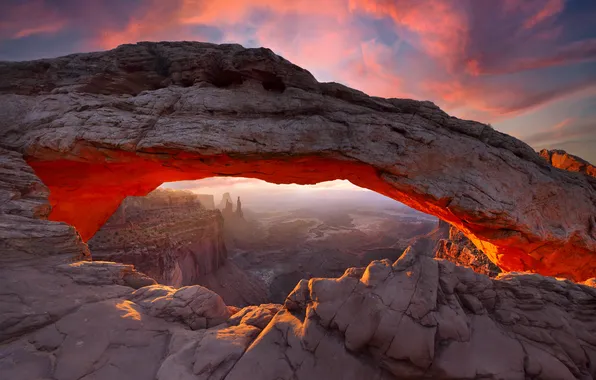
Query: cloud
{"x": 576, "y": 52}
{"x": 550, "y": 9}
{"x": 565, "y": 131}
{"x": 440, "y": 28}
{"x": 23, "y": 19}
{"x": 244, "y": 186}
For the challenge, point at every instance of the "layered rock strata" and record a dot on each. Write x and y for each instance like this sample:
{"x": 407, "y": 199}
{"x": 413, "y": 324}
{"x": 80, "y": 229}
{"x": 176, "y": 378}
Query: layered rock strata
{"x": 168, "y": 234}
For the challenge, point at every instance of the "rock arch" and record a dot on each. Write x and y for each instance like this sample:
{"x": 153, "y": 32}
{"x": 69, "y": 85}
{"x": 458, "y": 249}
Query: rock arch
{"x": 100, "y": 126}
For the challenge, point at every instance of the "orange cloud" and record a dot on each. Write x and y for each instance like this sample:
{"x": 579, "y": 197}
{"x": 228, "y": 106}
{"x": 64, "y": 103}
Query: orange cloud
{"x": 560, "y": 125}
{"x": 159, "y": 20}
{"x": 567, "y": 130}
{"x": 234, "y": 11}
{"x": 47, "y": 28}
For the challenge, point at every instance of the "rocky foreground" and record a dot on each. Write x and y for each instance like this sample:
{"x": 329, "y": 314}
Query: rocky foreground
{"x": 417, "y": 318}
{"x": 94, "y": 128}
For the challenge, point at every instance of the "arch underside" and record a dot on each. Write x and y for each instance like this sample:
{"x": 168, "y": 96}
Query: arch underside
{"x": 86, "y": 193}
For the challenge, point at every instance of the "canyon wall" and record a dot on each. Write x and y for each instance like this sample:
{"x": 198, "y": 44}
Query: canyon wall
{"x": 207, "y": 200}
{"x": 168, "y": 235}
{"x": 453, "y": 245}
{"x": 563, "y": 160}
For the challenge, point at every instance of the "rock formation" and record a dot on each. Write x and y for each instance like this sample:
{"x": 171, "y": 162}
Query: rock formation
{"x": 239, "y": 213}
{"x": 98, "y": 127}
{"x": 228, "y": 210}
{"x": 167, "y": 234}
{"x": 207, "y": 201}
{"x": 172, "y": 238}
{"x": 453, "y": 245}
{"x": 418, "y": 318}
{"x": 225, "y": 199}
{"x": 563, "y": 160}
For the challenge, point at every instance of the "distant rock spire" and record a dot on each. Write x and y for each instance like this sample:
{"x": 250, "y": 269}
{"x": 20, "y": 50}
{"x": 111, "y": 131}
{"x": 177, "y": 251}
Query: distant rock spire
{"x": 229, "y": 209}
{"x": 224, "y": 201}
{"x": 239, "y": 208}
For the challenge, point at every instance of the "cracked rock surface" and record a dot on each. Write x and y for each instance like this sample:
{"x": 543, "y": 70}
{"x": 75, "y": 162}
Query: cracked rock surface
{"x": 97, "y": 127}
{"x": 417, "y": 318}
{"x": 195, "y": 306}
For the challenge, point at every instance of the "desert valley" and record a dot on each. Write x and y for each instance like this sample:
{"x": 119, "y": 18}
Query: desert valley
{"x": 251, "y": 257}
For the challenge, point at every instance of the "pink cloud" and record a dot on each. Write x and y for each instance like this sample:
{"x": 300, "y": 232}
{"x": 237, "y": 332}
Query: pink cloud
{"x": 576, "y": 52}
{"x": 47, "y": 28}
{"x": 440, "y": 28}
{"x": 550, "y": 9}
{"x": 29, "y": 18}
{"x": 158, "y": 20}
{"x": 234, "y": 11}
{"x": 568, "y": 129}
{"x": 492, "y": 102}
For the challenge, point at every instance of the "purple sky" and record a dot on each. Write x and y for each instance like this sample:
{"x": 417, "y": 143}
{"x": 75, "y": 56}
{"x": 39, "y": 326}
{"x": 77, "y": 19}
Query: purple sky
{"x": 526, "y": 66}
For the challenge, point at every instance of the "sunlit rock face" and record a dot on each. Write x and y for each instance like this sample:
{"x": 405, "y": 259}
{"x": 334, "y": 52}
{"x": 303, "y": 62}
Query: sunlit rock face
{"x": 452, "y": 245}
{"x": 101, "y": 126}
{"x": 563, "y": 160}
{"x": 168, "y": 235}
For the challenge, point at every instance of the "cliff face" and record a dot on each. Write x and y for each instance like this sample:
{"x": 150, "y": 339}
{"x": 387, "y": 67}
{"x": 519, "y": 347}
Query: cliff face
{"x": 207, "y": 201}
{"x": 563, "y": 160}
{"x": 454, "y": 246}
{"x": 167, "y": 235}
{"x": 225, "y": 199}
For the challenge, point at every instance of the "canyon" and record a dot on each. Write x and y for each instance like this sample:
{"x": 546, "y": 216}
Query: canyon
{"x": 171, "y": 236}
{"x": 175, "y": 239}
{"x": 81, "y": 133}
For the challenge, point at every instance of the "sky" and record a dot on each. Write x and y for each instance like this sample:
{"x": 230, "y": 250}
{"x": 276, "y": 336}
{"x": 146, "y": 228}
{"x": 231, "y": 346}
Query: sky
{"x": 528, "y": 67}
{"x": 261, "y": 196}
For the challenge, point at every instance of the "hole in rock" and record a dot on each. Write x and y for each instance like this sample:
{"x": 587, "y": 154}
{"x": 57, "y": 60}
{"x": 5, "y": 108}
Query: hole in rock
{"x": 274, "y": 84}
{"x": 252, "y": 241}
{"x": 226, "y": 78}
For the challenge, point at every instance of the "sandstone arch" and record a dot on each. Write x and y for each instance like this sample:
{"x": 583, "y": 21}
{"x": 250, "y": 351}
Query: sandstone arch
{"x": 98, "y": 127}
